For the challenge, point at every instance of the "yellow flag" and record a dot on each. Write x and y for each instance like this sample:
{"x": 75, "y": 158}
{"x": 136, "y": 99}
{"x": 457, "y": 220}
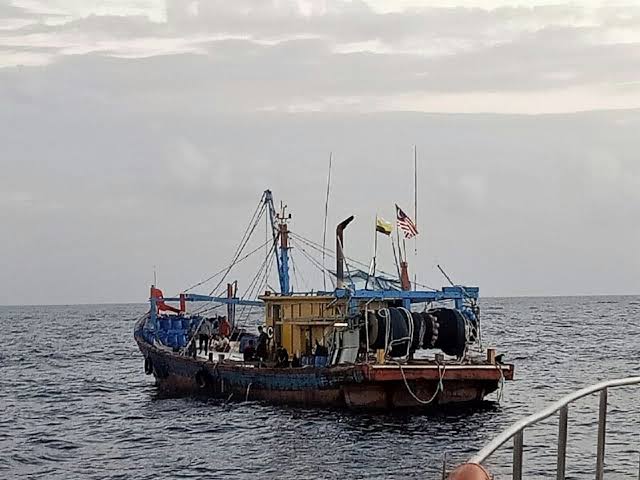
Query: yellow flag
{"x": 383, "y": 226}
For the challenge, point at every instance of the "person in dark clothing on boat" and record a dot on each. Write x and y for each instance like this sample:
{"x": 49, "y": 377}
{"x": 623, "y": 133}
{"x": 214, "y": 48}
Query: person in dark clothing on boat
{"x": 263, "y": 339}
{"x": 295, "y": 361}
{"x": 282, "y": 357}
{"x": 321, "y": 355}
{"x": 249, "y": 352}
{"x": 321, "y": 350}
{"x": 203, "y": 336}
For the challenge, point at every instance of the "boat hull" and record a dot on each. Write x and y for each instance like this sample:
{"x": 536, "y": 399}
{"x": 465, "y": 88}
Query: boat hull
{"x": 360, "y": 386}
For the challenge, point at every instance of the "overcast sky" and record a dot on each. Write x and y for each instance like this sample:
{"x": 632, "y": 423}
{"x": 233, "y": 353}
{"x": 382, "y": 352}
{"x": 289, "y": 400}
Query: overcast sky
{"x": 143, "y": 132}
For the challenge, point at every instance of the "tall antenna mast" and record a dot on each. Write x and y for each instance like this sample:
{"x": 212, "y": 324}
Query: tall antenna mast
{"x": 415, "y": 194}
{"x": 324, "y": 233}
{"x": 415, "y": 213}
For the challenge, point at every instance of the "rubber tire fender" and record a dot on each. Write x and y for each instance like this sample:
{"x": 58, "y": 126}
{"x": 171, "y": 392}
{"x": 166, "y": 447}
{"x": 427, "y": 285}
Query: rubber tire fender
{"x": 148, "y": 366}
{"x": 203, "y": 379}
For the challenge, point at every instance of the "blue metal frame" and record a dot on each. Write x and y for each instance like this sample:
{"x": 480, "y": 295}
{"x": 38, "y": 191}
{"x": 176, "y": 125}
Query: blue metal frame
{"x": 283, "y": 273}
{"x": 282, "y": 258}
{"x": 457, "y": 293}
{"x": 192, "y": 297}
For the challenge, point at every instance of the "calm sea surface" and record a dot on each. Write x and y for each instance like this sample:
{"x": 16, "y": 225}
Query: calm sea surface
{"x": 75, "y": 403}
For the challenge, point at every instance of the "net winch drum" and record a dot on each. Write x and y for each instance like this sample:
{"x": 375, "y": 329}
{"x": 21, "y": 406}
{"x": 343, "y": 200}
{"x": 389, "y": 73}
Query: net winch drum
{"x": 442, "y": 328}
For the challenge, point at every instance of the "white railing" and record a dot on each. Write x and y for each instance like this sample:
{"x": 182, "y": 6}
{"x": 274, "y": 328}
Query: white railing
{"x": 516, "y": 431}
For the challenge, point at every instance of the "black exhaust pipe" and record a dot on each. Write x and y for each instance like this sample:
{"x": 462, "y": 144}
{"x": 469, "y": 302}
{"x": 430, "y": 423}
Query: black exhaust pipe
{"x": 339, "y": 251}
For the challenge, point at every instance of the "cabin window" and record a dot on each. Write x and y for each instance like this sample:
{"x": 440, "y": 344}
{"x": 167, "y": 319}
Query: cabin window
{"x": 275, "y": 313}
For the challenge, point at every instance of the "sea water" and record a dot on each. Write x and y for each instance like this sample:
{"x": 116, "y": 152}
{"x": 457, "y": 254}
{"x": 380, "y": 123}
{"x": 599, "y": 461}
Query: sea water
{"x": 75, "y": 403}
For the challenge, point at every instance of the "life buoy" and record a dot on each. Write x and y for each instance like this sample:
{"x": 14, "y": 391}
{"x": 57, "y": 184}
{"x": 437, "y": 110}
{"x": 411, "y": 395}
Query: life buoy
{"x": 270, "y": 332}
{"x": 148, "y": 366}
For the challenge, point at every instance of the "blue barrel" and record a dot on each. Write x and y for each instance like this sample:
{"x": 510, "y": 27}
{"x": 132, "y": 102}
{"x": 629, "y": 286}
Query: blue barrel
{"x": 148, "y": 335}
{"x": 172, "y": 340}
{"x": 176, "y": 323}
{"x": 186, "y": 323}
{"x": 165, "y": 324}
{"x": 162, "y": 336}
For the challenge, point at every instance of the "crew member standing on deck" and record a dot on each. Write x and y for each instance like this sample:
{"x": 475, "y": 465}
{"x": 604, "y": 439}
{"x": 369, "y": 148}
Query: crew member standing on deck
{"x": 203, "y": 336}
{"x": 249, "y": 352}
{"x": 261, "y": 349}
{"x": 224, "y": 327}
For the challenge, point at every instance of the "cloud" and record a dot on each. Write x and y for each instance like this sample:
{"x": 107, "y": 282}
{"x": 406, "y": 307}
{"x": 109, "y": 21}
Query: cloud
{"x": 118, "y": 185}
{"x": 277, "y": 56}
{"x": 129, "y": 142}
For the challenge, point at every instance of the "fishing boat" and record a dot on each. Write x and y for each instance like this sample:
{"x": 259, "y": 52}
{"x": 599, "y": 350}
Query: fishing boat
{"x": 371, "y": 341}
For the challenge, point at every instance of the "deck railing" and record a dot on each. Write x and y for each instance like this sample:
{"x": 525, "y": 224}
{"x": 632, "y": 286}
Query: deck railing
{"x": 516, "y": 431}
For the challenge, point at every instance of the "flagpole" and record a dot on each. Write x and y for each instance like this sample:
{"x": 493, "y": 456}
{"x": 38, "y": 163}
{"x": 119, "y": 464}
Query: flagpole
{"x": 372, "y": 266}
{"x": 395, "y": 257}
{"x": 398, "y": 236}
{"x": 375, "y": 246}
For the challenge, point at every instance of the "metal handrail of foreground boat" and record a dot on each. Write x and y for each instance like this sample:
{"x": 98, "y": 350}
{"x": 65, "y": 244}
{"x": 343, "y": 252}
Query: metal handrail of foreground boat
{"x": 516, "y": 431}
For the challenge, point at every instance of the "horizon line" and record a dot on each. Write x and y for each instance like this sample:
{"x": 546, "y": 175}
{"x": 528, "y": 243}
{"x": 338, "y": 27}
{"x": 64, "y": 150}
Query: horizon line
{"x": 488, "y": 296}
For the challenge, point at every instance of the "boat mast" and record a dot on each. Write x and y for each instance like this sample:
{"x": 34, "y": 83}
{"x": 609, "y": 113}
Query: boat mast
{"x": 280, "y": 231}
{"x": 324, "y": 232}
{"x": 415, "y": 213}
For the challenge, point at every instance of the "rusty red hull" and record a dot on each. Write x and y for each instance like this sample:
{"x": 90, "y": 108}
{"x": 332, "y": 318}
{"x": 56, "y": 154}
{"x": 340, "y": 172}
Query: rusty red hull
{"x": 361, "y": 386}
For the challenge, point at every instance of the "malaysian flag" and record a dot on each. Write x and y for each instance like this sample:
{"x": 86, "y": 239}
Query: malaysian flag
{"x": 406, "y": 224}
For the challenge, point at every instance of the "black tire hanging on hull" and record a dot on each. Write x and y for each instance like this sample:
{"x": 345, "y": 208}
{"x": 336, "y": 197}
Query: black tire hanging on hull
{"x": 148, "y": 366}
{"x": 203, "y": 379}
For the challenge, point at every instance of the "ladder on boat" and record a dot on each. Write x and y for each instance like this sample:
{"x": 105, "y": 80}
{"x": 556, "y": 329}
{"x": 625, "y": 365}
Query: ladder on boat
{"x": 515, "y": 433}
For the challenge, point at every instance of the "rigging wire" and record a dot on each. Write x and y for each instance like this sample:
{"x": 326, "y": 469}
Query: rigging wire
{"x": 314, "y": 262}
{"x": 257, "y": 281}
{"x": 306, "y": 286}
{"x": 295, "y": 287}
{"x": 331, "y": 252}
{"x": 255, "y": 218}
{"x": 318, "y": 248}
{"x": 243, "y": 244}
{"x": 224, "y": 269}
{"x": 326, "y": 212}
{"x": 259, "y": 275}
